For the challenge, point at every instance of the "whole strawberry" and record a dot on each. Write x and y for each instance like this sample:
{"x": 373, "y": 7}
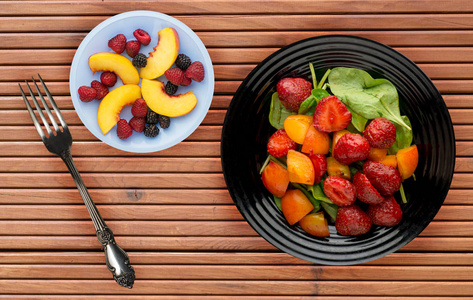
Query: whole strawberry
{"x": 142, "y": 36}
{"x": 380, "y": 133}
{"x": 117, "y": 43}
{"x": 132, "y": 48}
{"x": 195, "y": 71}
{"x": 365, "y": 191}
{"x": 385, "y": 179}
{"x": 339, "y": 190}
{"x": 100, "y": 89}
{"x": 331, "y": 115}
{"x": 352, "y": 220}
{"x": 139, "y": 108}
{"x": 86, "y": 93}
{"x": 280, "y": 143}
{"x": 387, "y": 213}
{"x": 292, "y": 92}
{"x": 124, "y": 129}
{"x": 108, "y": 78}
{"x": 351, "y": 147}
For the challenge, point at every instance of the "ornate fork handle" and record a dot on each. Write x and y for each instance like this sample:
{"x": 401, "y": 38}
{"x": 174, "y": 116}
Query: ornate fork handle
{"x": 115, "y": 257}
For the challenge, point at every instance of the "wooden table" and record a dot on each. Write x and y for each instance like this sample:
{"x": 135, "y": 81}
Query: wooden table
{"x": 170, "y": 209}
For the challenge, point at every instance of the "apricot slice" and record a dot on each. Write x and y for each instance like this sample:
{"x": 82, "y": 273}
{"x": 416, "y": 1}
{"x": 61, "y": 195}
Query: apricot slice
{"x": 164, "y": 54}
{"x": 336, "y": 168}
{"x": 316, "y": 142}
{"x": 116, "y": 63}
{"x": 315, "y": 224}
{"x": 275, "y": 178}
{"x": 300, "y": 168}
{"x": 296, "y": 127}
{"x": 337, "y": 135}
{"x": 377, "y": 154}
{"x": 407, "y": 160}
{"x": 169, "y": 105}
{"x": 112, "y": 104}
{"x": 389, "y": 160}
{"x": 295, "y": 205}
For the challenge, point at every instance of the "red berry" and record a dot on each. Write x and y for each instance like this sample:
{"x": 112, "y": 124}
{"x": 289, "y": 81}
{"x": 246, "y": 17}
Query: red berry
{"x": 387, "y": 213}
{"x": 138, "y": 124}
{"x": 186, "y": 81}
{"x": 87, "y": 93}
{"x": 331, "y": 115}
{"x": 196, "y": 71}
{"x": 101, "y": 90}
{"x": 351, "y": 147}
{"x": 124, "y": 129}
{"x": 142, "y": 36}
{"x": 351, "y": 220}
{"x": 139, "y": 108}
{"x": 132, "y": 48}
{"x": 320, "y": 166}
{"x": 108, "y": 78}
{"x": 339, "y": 190}
{"x": 174, "y": 75}
{"x": 117, "y": 43}
{"x": 280, "y": 143}
{"x": 292, "y": 92}
{"x": 365, "y": 191}
{"x": 380, "y": 133}
{"x": 385, "y": 179}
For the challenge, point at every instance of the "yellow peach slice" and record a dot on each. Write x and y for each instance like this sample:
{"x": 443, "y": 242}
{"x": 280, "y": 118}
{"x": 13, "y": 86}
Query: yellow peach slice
{"x": 390, "y": 161}
{"x": 407, "y": 160}
{"x": 169, "y": 105}
{"x": 316, "y": 142}
{"x": 335, "y": 168}
{"x": 116, "y": 63}
{"x": 112, "y": 104}
{"x": 377, "y": 154}
{"x": 164, "y": 54}
{"x": 300, "y": 168}
{"x": 296, "y": 127}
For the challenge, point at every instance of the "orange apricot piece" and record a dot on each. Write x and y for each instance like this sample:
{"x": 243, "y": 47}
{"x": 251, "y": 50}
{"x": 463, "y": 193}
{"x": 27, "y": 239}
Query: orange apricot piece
{"x": 335, "y": 168}
{"x": 337, "y": 135}
{"x": 316, "y": 142}
{"x": 300, "y": 168}
{"x": 377, "y": 154}
{"x": 296, "y": 127}
{"x": 275, "y": 178}
{"x": 407, "y": 160}
{"x": 315, "y": 224}
{"x": 389, "y": 160}
{"x": 295, "y": 205}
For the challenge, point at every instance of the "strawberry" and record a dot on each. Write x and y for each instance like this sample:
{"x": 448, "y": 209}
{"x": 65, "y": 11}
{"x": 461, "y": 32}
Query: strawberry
{"x": 100, "y": 89}
{"x": 108, "y": 78}
{"x": 174, "y": 75}
{"x": 280, "y": 143}
{"x": 124, "y": 129}
{"x": 380, "y": 133}
{"x": 117, "y": 43}
{"x": 139, "y": 108}
{"x": 132, "y": 48}
{"x": 292, "y": 92}
{"x": 385, "y": 179}
{"x": 320, "y": 166}
{"x": 196, "y": 71}
{"x": 87, "y": 93}
{"x": 137, "y": 124}
{"x": 351, "y": 220}
{"x": 339, "y": 190}
{"x": 351, "y": 147}
{"x": 387, "y": 213}
{"x": 186, "y": 81}
{"x": 142, "y": 36}
{"x": 331, "y": 115}
{"x": 365, "y": 191}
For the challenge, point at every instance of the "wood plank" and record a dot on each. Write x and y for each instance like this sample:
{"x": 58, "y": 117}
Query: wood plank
{"x": 229, "y": 297}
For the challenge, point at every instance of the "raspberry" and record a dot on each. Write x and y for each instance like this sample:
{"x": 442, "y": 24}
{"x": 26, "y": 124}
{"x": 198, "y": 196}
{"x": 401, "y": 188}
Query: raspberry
{"x": 186, "y": 81}
{"x": 142, "y": 36}
{"x": 196, "y": 71}
{"x": 164, "y": 121}
{"x": 350, "y": 148}
{"x": 139, "y": 60}
{"x": 183, "y": 61}
{"x": 380, "y": 133}
{"x": 151, "y": 117}
{"x": 124, "y": 129}
{"x": 174, "y": 75}
{"x": 100, "y": 89}
{"x": 139, "y": 108}
{"x": 108, "y": 78}
{"x": 151, "y": 130}
{"x": 132, "y": 48}
{"x": 170, "y": 88}
{"x": 137, "y": 124}
{"x": 117, "y": 43}
{"x": 87, "y": 93}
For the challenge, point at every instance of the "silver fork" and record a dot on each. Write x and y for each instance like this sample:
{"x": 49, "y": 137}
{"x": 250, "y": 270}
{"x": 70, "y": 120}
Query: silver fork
{"x": 59, "y": 143}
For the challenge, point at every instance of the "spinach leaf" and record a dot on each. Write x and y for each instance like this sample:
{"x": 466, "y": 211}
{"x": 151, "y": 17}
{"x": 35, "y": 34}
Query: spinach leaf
{"x": 357, "y": 121}
{"x": 403, "y": 137}
{"x": 308, "y": 106}
{"x": 331, "y": 209}
{"x": 277, "y": 113}
{"x": 277, "y": 201}
{"x": 318, "y": 193}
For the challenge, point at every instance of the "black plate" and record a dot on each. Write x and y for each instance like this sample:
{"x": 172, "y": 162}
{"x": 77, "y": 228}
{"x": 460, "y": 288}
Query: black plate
{"x": 246, "y": 130}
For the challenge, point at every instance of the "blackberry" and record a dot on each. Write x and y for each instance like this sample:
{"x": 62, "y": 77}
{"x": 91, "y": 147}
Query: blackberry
{"x": 183, "y": 61}
{"x": 164, "y": 121}
{"x": 139, "y": 60}
{"x": 151, "y": 130}
{"x": 170, "y": 88}
{"x": 151, "y": 117}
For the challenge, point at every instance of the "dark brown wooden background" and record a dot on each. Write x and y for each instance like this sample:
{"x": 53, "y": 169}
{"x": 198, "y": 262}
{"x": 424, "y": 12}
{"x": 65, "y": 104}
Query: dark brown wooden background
{"x": 170, "y": 209}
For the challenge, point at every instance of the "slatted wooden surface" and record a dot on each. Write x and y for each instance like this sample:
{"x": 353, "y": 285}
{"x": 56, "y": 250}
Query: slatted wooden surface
{"x": 170, "y": 209}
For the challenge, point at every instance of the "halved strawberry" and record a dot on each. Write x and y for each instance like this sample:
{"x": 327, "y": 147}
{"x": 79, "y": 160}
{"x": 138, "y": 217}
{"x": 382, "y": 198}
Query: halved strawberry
{"x": 339, "y": 190}
{"x": 352, "y": 220}
{"x": 331, "y": 115}
{"x": 365, "y": 191}
{"x": 320, "y": 166}
{"x": 280, "y": 143}
{"x": 387, "y": 213}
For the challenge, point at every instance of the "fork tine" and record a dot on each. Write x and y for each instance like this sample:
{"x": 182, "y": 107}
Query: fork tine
{"x": 46, "y": 107}
{"x": 32, "y": 115}
{"x": 53, "y": 103}
{"x": 40, "y": 111}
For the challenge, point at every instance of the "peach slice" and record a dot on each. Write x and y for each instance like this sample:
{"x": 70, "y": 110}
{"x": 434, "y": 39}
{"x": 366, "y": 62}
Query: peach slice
{"x": 275, "y": 178}
{"x": 337, "y": 135}
{"x": 377, "y": 154}
{"x": 300, "y": 168}
{"x": 116, "y": 63}
{"x": 296, "y": 127}
{"x": 164, "y": 54}
{"x": 315, "y": 224}
{"x": 335, "y": 168}
{"x": 316, "y": 142}
{"x": 169, "y": 105}
{"x": 112, "y": 104}
{"x": 407, "y": 160}
{"x": 389, "y": 160}
{"x": 295, "y": 205}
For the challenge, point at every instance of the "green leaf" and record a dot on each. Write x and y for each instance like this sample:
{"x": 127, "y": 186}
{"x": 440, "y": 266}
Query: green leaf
{"x": 308, "y": 105}
{"x": 277, "y": 113}
{"x": 403, "y": 137}
{"x": 277, "y": 200}
{"x": 318, "y": 193}
{"x": 330, "y": 209}
{"x": 357, "y": 121}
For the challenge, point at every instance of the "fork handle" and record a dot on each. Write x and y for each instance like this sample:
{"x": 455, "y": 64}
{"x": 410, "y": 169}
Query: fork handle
{"x": 115, "y": 257}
